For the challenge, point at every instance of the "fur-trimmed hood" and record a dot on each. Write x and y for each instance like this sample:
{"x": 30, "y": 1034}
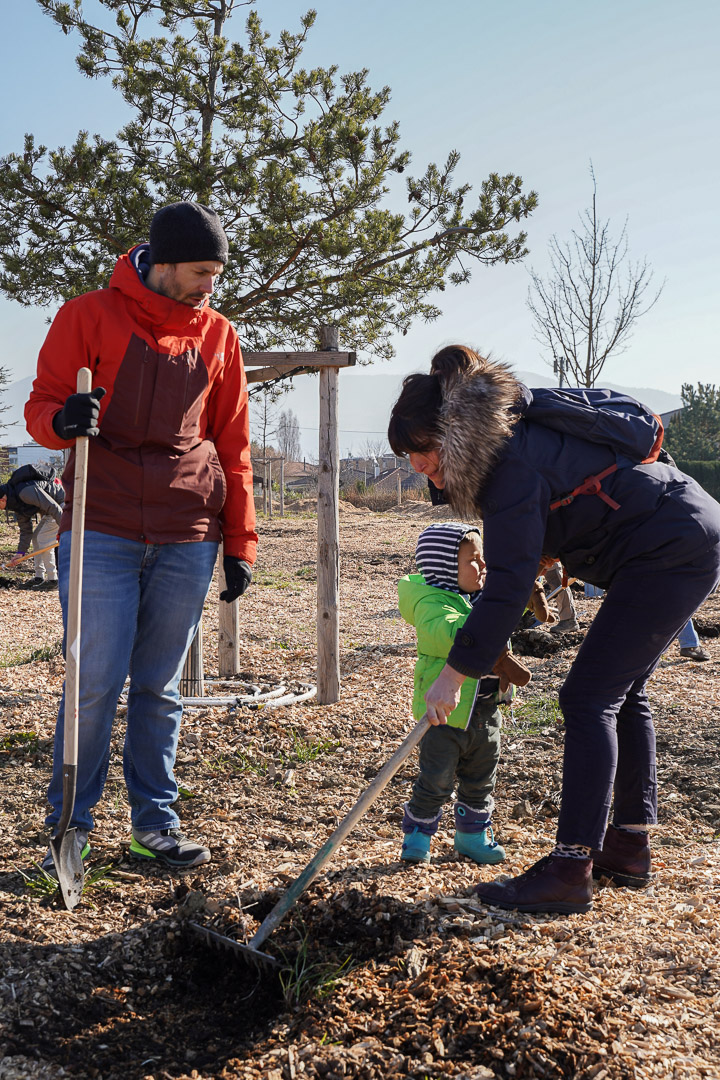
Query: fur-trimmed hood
{"x": 478, "y": 415}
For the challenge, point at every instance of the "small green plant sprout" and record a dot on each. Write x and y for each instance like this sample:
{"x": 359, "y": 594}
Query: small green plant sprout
{"x": 302, "y": 979}
{"x": 24, "y": 740}
{"x": 311, "y": 749}
{"x": 43, "y": 652}
{"x": 532, "y": 716}
{"x": 307, "y": 573}
{"x": 41, "y": 884}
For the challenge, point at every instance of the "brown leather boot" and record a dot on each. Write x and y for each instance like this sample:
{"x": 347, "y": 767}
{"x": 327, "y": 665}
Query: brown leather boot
{"x": 625, "y": 858}
{"x": 554, "y": 884}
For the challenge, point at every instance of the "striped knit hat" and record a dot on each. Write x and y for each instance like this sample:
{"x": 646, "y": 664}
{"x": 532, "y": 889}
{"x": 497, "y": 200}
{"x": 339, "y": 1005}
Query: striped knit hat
{"x": 436, "y": 553}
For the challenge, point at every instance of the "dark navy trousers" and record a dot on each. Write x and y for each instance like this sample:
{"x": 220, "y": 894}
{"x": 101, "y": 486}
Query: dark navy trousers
{"x": 609, "y": 733}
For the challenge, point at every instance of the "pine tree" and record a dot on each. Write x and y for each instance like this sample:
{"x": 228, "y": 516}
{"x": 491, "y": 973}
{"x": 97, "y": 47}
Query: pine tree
{"x": 694, "y": 433}
{"x": 295, "y": 161}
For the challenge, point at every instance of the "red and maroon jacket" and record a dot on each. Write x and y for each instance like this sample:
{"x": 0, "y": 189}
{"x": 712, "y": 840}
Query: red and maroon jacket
{"x": 172, "y": 460}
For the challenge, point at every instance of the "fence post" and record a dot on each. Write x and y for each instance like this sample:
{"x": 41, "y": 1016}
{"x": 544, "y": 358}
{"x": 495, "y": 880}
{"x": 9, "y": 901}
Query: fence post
{"x": 192, "y": 682}
{"x": 228, "y": 629}
{"x": 328, "y": 529}
{"x": 399, "y": 489}
{"x": 282, "y": 487}
{"x": 269, "y": 487}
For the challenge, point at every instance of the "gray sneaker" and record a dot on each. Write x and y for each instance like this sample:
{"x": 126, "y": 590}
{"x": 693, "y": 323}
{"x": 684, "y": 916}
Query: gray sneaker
{"x": 695, "y": 652}
{"x": 565, "y": 626}
{"x": 81, "y": 839}
{"x": 169, "y": 846}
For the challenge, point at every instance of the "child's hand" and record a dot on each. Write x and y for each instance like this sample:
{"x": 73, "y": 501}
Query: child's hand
{"x": 444, "y": 695}
{"x": 511, "y": 671}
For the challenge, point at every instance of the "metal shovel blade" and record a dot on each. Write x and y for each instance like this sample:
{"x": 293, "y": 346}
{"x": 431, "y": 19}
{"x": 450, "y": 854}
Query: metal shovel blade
{"x": 68, "y": 867}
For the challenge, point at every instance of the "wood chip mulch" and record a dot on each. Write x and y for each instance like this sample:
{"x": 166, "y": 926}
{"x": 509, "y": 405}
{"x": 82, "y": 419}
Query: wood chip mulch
{"x": 385, "y": 970}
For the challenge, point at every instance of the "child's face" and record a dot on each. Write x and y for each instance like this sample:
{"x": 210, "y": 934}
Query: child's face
{"x": 471, "y": 565}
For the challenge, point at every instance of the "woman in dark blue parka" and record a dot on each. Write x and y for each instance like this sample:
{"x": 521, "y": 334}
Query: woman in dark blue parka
{"x": 468, "y": 427}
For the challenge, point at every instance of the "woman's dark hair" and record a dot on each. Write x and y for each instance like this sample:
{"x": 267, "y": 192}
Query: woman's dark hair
{"x": 415, "y": 424}
{"x": 415, "y": 418}
{"x": 456, "y": 362}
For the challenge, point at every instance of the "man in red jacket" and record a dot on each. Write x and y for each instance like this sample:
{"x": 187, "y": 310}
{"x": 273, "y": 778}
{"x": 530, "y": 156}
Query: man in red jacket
{"x": 169, "y": 476}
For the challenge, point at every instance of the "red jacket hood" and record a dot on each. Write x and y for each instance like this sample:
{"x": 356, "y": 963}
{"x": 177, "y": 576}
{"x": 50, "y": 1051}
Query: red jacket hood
{"x": 155, "y": 309}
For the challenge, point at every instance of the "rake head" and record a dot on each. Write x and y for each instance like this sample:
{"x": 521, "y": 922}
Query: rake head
{"x": 245, "y": 952}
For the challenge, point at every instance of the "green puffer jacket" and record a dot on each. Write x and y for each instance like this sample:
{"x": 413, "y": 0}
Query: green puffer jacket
{"x": 437, "y": 615}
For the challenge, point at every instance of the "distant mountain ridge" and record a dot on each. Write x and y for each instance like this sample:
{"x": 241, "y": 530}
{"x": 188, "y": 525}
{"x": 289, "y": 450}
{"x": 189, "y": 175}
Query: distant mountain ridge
{"x": 366, "y": 396}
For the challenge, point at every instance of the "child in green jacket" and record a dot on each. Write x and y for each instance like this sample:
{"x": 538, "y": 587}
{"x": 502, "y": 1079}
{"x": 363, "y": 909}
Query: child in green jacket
{"x": 437, "y": 602}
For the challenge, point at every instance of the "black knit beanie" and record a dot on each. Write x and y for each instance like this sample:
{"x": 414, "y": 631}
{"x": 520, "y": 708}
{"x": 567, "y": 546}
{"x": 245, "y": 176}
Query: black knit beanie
{"x": 187, "y": 232}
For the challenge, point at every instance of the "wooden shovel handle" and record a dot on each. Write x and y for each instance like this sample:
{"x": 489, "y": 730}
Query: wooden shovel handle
{"x": 72, "y": 649}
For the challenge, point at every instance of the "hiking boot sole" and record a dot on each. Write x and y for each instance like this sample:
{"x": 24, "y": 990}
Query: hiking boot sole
{"x": 559, "y": 907}
{"x": 415, "y": 858}
{"x": 628, "y": 881}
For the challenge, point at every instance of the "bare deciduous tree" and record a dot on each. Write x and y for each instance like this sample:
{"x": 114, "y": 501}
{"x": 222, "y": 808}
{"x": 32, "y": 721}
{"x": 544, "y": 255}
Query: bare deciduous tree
{"x": 264, "y": 422}
{"x": 587, "y": 306}
{"x": 288, "y": 435}
{"x": 4, "y": 383}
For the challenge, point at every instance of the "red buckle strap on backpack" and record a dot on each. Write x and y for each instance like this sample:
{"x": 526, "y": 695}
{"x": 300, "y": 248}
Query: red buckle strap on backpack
{"x": 592, "y": 485}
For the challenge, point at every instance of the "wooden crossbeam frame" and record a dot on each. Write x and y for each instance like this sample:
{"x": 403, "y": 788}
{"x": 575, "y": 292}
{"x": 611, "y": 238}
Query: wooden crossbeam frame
{"x": 263, "y": 366}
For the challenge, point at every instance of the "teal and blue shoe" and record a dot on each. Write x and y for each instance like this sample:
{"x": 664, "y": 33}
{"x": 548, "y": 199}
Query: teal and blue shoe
{"x": 481, "y": 847}
{"x": 474, "y": 836}
{"x": 416, "y": 847}
{"x": 418, "y": 834}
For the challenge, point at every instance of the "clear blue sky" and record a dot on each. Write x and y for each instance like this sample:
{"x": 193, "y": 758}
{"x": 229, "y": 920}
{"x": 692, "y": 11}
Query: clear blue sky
{"x": 532, "y": 88}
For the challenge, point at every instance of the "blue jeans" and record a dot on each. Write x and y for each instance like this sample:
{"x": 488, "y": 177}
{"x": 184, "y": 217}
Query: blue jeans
{"x": 141, "y": 606}
{"x": 688, "y": 636}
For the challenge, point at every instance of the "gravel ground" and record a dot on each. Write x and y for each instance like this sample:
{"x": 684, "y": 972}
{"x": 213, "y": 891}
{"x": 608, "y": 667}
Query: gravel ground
{"x": 384, "y": 969}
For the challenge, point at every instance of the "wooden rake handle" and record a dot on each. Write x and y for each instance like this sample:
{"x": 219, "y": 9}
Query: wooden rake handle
{"x": 313, "y": 868}
{"x": 30, "y": 555}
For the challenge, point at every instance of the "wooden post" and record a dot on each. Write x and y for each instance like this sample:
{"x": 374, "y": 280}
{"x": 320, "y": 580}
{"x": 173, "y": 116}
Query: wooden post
{"x": 228, "y": 630}
{"x": 399, "y": 489}
{"x": 269, "y": 473}
{"x": 328, "y": 529}
{"x": 282, "y": 487}
{"x": 192, "y": 682}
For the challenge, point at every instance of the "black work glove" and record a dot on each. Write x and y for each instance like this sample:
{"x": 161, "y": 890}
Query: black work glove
{"x": 238, "y": 576}
{"x": 79, "y": 415}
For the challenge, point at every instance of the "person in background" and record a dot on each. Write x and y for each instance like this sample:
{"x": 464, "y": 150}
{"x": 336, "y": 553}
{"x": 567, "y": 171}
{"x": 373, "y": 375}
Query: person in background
{"x": 563, "y": 598}
{"x": 169, "y": 476}
{"x": 27, "y": 499}
{"x": 689, "y": 643}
